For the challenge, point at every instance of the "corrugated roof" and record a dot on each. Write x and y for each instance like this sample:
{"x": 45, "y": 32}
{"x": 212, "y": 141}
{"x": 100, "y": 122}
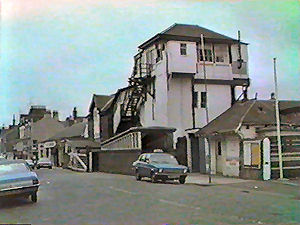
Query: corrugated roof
{"x": 251, "y": 112}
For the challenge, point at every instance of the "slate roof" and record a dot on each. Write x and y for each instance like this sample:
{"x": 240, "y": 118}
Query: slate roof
{"x": 110, "y": 103}
{"x": 99, "y": 101}
{"x": 44, "y": 128}
{"x": 251, "y": 112}
{"x": 76, "y": 130}
{"x": 194, "y": 31}
{"x": 186, "y": 32}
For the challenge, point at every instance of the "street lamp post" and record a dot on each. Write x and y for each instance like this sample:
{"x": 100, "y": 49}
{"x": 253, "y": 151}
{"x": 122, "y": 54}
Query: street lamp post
{"x": 278, "y": 122}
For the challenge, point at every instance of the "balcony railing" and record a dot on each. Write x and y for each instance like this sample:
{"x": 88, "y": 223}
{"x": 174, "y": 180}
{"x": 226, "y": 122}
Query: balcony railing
{"x": 125, "y": 140}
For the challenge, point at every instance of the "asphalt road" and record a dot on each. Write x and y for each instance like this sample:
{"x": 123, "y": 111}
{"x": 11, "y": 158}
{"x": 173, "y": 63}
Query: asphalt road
{"x": 67, "y": 197}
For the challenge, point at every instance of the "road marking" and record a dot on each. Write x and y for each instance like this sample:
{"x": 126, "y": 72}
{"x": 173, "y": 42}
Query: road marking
{"x": 122, "y": 190}
{"x": 178, "y": 204}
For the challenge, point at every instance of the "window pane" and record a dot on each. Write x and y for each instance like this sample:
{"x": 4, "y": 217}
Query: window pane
{"x": 182, "y": 49}
{"x": 208, "y": 55}
{"x": 255, "y": 154}
{"x": 195, "y": 99}
{"x": 247, "y": 154}
{"x": 203, "y": 99}
{"x": 163, "y": 159}
{"x": 219, "y": 148}
{"x": 221, "y": 53}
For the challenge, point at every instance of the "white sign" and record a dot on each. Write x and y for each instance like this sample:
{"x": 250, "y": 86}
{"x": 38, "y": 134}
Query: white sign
{"x": 49, "y": 144}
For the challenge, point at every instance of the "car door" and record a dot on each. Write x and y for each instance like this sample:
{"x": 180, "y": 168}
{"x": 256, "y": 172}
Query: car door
{"x": 147, "y": 166}
{"x": 141, "y": 165}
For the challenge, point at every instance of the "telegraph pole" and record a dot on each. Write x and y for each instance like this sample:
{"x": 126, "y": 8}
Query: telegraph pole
{"x": 206, "y": 107}
{"x": 278, "y": 121}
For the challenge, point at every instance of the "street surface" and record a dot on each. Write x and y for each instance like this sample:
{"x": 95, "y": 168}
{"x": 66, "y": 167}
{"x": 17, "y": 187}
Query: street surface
{"x": 68, "y": 197}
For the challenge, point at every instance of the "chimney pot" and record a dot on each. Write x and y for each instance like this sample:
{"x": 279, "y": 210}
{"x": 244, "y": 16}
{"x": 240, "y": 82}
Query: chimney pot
{"x": 273, "y": 96}
{"x": 74, "y": 113}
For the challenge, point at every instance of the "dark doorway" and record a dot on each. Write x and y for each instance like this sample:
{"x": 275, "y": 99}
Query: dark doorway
{"x": 54, "y": 153}
{"x": 202, "y": 155}
{"x": 95, "y": 166}
{"x": 181, "y": 152}
{"x": 195, "y": 153}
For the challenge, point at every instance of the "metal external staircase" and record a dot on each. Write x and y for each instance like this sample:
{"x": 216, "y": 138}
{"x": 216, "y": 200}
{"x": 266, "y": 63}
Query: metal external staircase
{"x": 137, "y": 94}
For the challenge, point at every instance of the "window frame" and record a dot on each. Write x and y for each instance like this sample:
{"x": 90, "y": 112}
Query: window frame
{"x": 207, "y": 47}
{"x": 203, "y": 99}
{"x": 251, "y": 154}
{"x": 142, "y": 158}
{"x": 219, "y": 148}
{"x": 221, "y": 48}
{"x": 183, "y": 49}
{"x": 159, "y": 53}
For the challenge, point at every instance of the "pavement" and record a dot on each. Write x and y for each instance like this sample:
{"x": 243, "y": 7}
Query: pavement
{"x": 202, "y": 179}
{"x": 68, "y": 197}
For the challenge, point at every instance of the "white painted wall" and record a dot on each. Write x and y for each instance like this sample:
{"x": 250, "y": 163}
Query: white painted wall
{"x": 96, "y": 119}
{"x": 213, "y": 156}
{"x": 160, "y": 101}
{"x": 218, "y": 99}
{"x": 22, "y": 131}
{"x": 229, "y": 161}
{"x": 180, "y": 105}
{"x": 181, "y": 63}
{"x": 232, "y": 149}
{"x": 244, "y": 52}
{"x": 214, "y": 71}
{"x": 248, "y": 132}
{"x": 117, "y": 113}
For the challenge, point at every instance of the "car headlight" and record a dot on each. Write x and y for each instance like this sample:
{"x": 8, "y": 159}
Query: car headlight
{"x": 160, "y": 170}
{"x": 185, "y": 170}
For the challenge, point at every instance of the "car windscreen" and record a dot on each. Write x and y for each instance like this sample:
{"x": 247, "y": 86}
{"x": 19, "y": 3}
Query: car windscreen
{"x": 163, "y": 159}
{"x": 13, "y": 168}
{"x": 44, "y": 160}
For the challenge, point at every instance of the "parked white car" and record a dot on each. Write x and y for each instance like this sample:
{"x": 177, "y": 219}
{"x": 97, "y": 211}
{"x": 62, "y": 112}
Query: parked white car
{"x": 16, "y": 179}
{"x": 44, "y": 163}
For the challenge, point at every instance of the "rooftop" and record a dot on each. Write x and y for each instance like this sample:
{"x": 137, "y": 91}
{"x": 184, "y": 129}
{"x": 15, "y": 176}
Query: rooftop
{"x": 99, "y": 101}
{"x": 188, "y": 32}
{"x": 251, "y": 112}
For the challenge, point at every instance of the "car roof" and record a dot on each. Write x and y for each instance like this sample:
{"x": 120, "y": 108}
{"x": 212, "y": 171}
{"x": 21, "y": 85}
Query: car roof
{"x": 157, "y": 153}
{"x": 18, "y": 161}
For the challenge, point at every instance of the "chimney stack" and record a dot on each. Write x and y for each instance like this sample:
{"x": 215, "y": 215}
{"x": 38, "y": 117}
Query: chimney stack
{"x": 14, "y": 120}
{"x": 272, "y": 96}
{"x": 55, "y": 115}
{"x": 74, "y": 113}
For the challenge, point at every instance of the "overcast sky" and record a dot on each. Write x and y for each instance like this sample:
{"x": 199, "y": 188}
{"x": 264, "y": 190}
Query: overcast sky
{"x": 58, "y": 53}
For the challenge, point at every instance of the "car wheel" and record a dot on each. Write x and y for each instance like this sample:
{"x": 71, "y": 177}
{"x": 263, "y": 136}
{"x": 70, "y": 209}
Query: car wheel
{"x": 34, "y": 197}
{"x": 137, "y": 175}
{"x": 153, "y": 178}
{"x": 164, "y": 180}
{"x": 182, "y": 180}
{"x": 50, "y": 167}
